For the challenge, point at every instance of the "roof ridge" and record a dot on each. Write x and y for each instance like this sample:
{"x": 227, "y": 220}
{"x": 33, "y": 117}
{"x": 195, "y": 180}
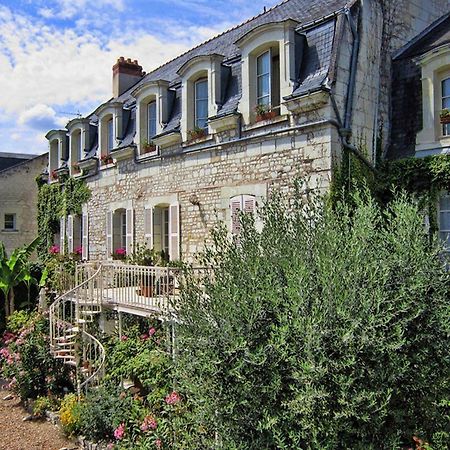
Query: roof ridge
{"x": 398, "y": 53}
{"x": 220, "y": 34}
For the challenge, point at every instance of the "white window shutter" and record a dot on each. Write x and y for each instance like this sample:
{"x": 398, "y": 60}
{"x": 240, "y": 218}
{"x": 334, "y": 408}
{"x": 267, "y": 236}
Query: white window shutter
{"x": 148, "y": 226}
{"x": 109, "y": 234}
{"x": 62, "y": 234}
{"x": 174, "y": 231}
{"x": 69, "y": 233}
{"x": 85, "y": 237}
{"x": 235, "y": 206}
{"x": 130, "y": 231}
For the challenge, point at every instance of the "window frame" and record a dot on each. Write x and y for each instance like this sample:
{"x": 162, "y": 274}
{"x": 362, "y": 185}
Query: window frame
{"x": 258, "y": 76}
{"x": 123, "y": 229}
{"x": 14, "y": 222}
{"x": 203, "y": 80}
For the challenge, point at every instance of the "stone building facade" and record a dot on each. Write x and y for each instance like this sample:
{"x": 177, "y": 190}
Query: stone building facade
{"x": 182, "y": 147}
{"x": 18, "y": 200}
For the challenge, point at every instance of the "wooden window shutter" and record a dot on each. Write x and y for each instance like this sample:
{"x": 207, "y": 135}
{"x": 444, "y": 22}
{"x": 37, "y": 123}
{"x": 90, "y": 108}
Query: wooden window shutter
{"x": 130, "y": 231}
{"x": 85, "y": 237}
{"x": 148, "y": 226}
{"x": 62, "y": 235}
{"x": 235, "y": 206}
{"x": 69, "y": 233}
{"x": 174, "y": 231}
{"x": 109, "y": 234}
{"x": 249, "y": 204}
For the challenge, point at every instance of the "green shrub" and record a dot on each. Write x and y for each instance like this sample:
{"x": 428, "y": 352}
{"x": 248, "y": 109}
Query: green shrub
{"x": 69, "y": 414}
{"x": 43, "y": 404}
{"x": 328, "y": 329}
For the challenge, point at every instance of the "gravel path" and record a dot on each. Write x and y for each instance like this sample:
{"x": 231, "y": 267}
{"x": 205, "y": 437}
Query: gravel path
{"x": 31, "y": 435}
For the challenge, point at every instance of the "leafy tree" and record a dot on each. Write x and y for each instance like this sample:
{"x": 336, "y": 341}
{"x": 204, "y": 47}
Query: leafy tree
{"x": 14, "y": 270}
{"x": 327, "y": 329}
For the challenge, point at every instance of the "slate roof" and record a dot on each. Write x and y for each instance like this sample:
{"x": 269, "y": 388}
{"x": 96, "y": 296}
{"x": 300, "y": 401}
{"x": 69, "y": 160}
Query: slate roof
{"x": 12, "y": 159}
{"x": 406, "y": 97}
{"x": 317, "y": 57}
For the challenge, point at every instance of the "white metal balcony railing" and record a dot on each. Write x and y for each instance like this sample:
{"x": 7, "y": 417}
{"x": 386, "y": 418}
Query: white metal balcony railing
{"x": 140, "y": 290}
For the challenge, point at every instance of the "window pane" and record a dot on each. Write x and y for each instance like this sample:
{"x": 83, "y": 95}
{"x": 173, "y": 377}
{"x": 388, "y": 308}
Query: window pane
{"x": 263, "y": 64}
{"x": 446, "y": 103}
{"x": 201, "y": 90}
{"x": 444, "y": 202}
{"x": 446, "y": 88}
{"x": 151, "y": 119}
{"x": 10, "y": 221}
{"x": 110, "y": 135}
{"x": 445, "y": 238}
{"x": 444, "y": 222}
{"x": 80, "y": 148}
{"x": 264, "y": 86}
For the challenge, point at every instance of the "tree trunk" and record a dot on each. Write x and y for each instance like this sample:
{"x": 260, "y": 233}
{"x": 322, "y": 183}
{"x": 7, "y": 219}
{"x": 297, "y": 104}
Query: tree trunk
{"x": 6, "y": 304}
{"x": 11, "y": 301}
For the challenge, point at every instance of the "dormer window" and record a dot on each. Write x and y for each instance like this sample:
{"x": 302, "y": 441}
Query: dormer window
{"x": 111, "y": 117}
{"x": 446, "y": 104}
{"x": 201, "y": 92}
{"x": 201, "y": 103}
{"x": 270, "y": 60}
{"x": 58, "y": 153}
{"x": 152, "y": 112}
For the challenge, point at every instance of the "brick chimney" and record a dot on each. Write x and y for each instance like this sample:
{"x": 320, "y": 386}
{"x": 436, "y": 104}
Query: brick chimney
{"x": 126, "y": 73}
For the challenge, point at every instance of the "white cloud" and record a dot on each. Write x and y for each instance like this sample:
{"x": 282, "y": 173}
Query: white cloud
{"x": 40, "y": 117}
{"x": 67, "y": 9}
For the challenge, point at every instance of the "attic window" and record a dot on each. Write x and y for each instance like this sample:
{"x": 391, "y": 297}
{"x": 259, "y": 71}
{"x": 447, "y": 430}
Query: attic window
{"x": 110, "y": 133}
{"x": 151, "y": 117}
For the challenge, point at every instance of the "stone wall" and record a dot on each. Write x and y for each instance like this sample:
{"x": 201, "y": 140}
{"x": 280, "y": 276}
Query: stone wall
{"x": 18, "y": 195}
{"x": 214, "y": 175}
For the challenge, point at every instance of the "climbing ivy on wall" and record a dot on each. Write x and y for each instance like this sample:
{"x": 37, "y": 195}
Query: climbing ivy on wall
{"x": 424, "y": 178}
{"x": 55, "y": 201}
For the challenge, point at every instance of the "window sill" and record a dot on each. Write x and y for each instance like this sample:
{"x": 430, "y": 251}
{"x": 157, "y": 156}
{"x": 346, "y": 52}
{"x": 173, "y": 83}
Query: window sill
{"x": 9, "y": 231}
{"x": 107, "y": 166}
{"x": 265, "y": 123}
{"x": 145, "y": 156}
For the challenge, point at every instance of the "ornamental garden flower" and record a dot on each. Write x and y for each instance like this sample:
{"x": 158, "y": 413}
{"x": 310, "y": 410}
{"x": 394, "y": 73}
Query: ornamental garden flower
{"x": 173, "y": 398}
{"x": 119, "y": 432}
{"x": 54, "y": 250}
{"x": 149, "y": 423}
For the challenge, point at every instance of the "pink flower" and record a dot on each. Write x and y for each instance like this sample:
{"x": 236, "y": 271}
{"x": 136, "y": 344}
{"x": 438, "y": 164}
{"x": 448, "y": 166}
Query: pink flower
{"x": 79, "y": 250}
{"x": 144, "y": 337}
{"x": 149, "y": 423}
{"x": 151, "y": 331}
{"x": 121, "y": 251}
{"x": 172, "y": 398}
{"x": 54, "y": 249}
{"x": 124, "y": 338}
{"x": 158, "y": 443}
{"x": 119, "y": 432}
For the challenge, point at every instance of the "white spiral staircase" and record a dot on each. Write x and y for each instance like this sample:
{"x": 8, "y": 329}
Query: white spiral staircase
{"x": 70, "y": 317}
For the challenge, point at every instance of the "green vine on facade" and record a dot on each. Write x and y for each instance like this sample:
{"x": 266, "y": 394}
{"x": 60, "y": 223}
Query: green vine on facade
{"x": 423, "y": 178}
{"x": 55, "y": 201}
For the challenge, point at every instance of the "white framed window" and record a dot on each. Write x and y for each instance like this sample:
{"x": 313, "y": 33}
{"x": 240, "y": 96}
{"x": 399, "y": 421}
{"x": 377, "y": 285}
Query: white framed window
{"x": 444, "y": 220}
{"x": 445, "y": 86}
{"x": 80, "y": 154}
{"x": 151, "y": 121}
{"x": 110, "y": 135}
{"x": 201, "y": 103}
{"x": 264, "y": 78}
{"x": 10, "y": 222}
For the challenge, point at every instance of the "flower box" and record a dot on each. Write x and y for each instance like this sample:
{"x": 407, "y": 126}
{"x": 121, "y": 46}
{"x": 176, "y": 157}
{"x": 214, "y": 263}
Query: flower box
{"x": 106, "y": 159}
{"x": 445, "y": 119}
{"x": 445, "y": 116}
{"x": 196, "y": 133}
{"x": 269, "y": 115}
{"x": 148, "y": 148}
{"x": 54, "y": 175}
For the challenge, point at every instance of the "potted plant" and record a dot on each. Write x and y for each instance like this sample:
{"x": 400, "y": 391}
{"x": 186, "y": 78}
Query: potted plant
{"x": 54, "y": 175}
{"x": 106, "y": 159}
{"x": 445, "y": 116}
{"x": 196, "y": 133}
{"x": 75, "y": 168}
{"x": 264, "y": 112}
{"x": 147, "y": 147}
{"x": 120, "y": 254}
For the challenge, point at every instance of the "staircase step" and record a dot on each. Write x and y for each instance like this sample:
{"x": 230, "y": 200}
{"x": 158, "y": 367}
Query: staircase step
{"x": 74, "y": 330}
{"x": 71, "y": 363}
{"x": 66, "y": 344}
{"x": 65, "y": 337}
{"x": 90, "y": 311}
{"x": 82, "y": 321}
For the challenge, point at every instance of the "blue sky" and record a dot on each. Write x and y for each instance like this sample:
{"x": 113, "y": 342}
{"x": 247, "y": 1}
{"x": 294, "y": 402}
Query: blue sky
{"x": 56, "y": 55}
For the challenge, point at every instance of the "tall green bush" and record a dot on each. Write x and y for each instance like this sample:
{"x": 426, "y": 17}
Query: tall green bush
{"x": 328, "y": 329}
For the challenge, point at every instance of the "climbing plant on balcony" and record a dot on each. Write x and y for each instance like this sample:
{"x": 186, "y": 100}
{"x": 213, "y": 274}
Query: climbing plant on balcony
{"x": 57, "y": 200}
